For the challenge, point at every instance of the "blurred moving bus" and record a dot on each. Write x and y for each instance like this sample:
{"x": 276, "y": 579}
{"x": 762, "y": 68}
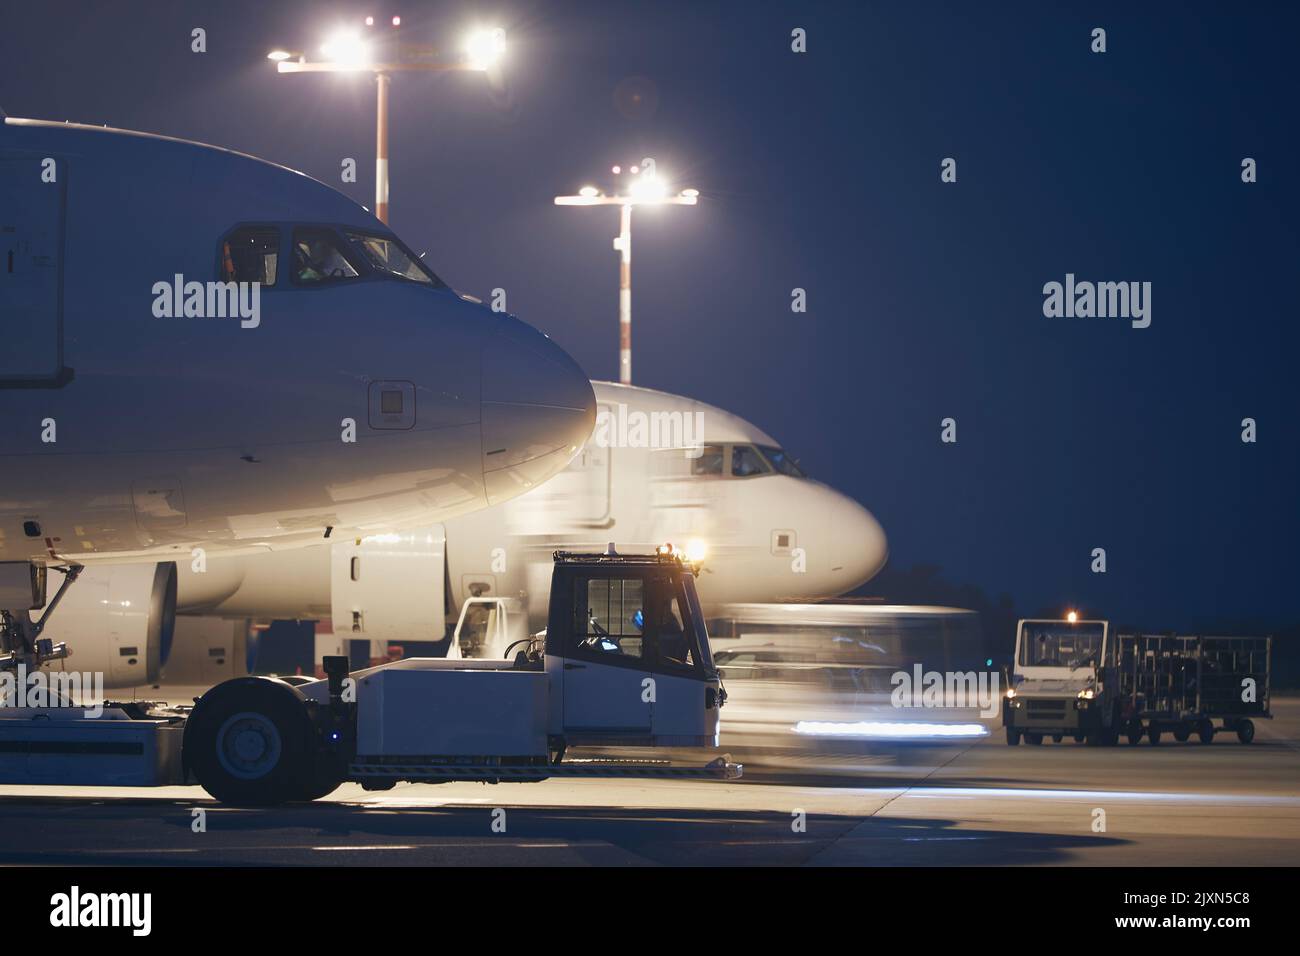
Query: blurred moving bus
{"x": 891, "y": 635}
{"x": 796, "y": 672}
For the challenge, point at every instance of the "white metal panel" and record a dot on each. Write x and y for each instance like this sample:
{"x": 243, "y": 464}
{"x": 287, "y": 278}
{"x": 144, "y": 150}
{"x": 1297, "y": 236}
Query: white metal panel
{"x": 605, "y": 699}
{"x": 427, "y": 708}
{"x": 65, "y": 750}
{"x": 679, "y": 709}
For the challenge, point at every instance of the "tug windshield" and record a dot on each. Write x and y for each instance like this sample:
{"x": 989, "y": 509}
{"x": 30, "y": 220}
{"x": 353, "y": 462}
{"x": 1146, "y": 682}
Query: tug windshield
{"x": 1061, "y": 644}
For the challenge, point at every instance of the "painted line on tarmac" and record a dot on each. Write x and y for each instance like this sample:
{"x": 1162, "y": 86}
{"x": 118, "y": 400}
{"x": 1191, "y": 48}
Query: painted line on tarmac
{"x": 1092, "y": 795}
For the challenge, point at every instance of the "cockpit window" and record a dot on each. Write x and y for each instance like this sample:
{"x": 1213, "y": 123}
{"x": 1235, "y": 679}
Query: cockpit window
{"x": 782, "y": 462}
{"x": 709, "y": 462}
{"x": 250, "y": 254}
{"x": 318, "y": 257}
{"x": 746, "y": 461}
{"x": 388, "y": 256}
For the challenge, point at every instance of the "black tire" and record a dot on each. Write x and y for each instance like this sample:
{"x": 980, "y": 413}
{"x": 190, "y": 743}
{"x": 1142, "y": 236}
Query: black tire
{"x": 325, "y": 777}
{"x": 1057, "y": 738}
{"x": 1182, "y": 733}
{"x": 1153, "y": 735}
{"x": 249, "y": 741}
{"x": 1245, "y": 731}
{"x": 1034, "y": 740}
{"x": 1013, "y": 737}
{"x": 1205, "y": 731}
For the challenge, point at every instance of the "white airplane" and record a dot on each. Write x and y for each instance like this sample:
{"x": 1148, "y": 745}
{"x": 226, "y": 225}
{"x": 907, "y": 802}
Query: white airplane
{"x": 204, "y": 354}
{"x": 658, "y": 468}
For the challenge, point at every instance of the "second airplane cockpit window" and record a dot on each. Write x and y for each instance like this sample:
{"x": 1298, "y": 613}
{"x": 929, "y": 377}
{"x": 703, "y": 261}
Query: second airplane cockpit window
{"x": 738, "y": 461}
{"x": 782, "y": 462}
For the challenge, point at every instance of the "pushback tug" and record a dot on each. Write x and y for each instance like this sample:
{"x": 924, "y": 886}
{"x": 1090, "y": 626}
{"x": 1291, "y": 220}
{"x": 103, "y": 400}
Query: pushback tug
{"x": 624, "y": 662}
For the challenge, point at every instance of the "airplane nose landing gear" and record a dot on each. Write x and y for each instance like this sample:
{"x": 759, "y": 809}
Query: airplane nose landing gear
{"x": 20, "y": 636}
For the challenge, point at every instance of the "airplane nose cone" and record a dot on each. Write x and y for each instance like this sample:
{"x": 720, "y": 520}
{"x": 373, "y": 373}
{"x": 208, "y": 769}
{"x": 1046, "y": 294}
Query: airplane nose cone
{"x": 861, "y": 545}
{"x": 538, "y": 410}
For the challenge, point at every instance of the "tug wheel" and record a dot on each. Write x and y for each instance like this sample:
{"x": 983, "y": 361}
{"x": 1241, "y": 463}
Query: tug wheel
{"x": 250, "y": 741}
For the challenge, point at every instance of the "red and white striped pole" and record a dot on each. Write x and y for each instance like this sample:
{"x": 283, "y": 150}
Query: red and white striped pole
{"x": 381, "y": 149}
{"x": 625, "y": 295}
{"x": 591, "y": 196}
{"x": 347, "y": 52}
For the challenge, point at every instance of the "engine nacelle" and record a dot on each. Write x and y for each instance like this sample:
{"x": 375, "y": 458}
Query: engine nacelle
{"x": 117, "y": 620}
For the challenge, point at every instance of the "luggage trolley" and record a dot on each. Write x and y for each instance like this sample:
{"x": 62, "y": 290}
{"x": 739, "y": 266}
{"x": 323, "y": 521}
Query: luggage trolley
{"x": 1183, "y": 684}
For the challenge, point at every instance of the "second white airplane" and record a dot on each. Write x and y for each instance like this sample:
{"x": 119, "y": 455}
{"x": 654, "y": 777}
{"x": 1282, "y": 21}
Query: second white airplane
{"x": 659, "y": 467}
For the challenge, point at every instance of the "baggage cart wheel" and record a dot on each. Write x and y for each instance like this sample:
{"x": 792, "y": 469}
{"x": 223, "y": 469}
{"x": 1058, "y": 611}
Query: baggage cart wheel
{"x": 1013, "y": 737}
{"x": 1056, "y": 738}
{"x": 1245, "y": 731}
{"x": 1205, "y": 731}
{"x": 1153, "y": 735}
{"x": 1034, "y": 740}
{"x": 1182, "y": 732}
{"x": 1134, "y": 732}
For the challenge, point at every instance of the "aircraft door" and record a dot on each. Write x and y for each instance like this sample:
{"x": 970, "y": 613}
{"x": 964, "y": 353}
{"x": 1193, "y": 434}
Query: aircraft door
{"x": 31, "y": 272}
{"x": 595, "y": 465}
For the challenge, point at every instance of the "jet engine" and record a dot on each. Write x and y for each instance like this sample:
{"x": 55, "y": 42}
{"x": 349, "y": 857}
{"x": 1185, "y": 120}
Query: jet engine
{"x": 117, "y": 620}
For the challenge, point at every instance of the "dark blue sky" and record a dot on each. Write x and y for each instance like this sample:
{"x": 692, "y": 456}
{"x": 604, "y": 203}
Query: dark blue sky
{"x": 822, "y": 171}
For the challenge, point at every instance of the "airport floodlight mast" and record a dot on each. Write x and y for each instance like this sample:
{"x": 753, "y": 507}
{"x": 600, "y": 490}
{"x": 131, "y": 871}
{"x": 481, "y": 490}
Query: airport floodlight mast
{"x": 350, "y": 51}
{"x": 646, "y": 187}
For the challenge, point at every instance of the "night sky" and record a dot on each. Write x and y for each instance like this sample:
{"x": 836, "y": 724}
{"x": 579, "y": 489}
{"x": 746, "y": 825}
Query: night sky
{"x": 822, "y": 171}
